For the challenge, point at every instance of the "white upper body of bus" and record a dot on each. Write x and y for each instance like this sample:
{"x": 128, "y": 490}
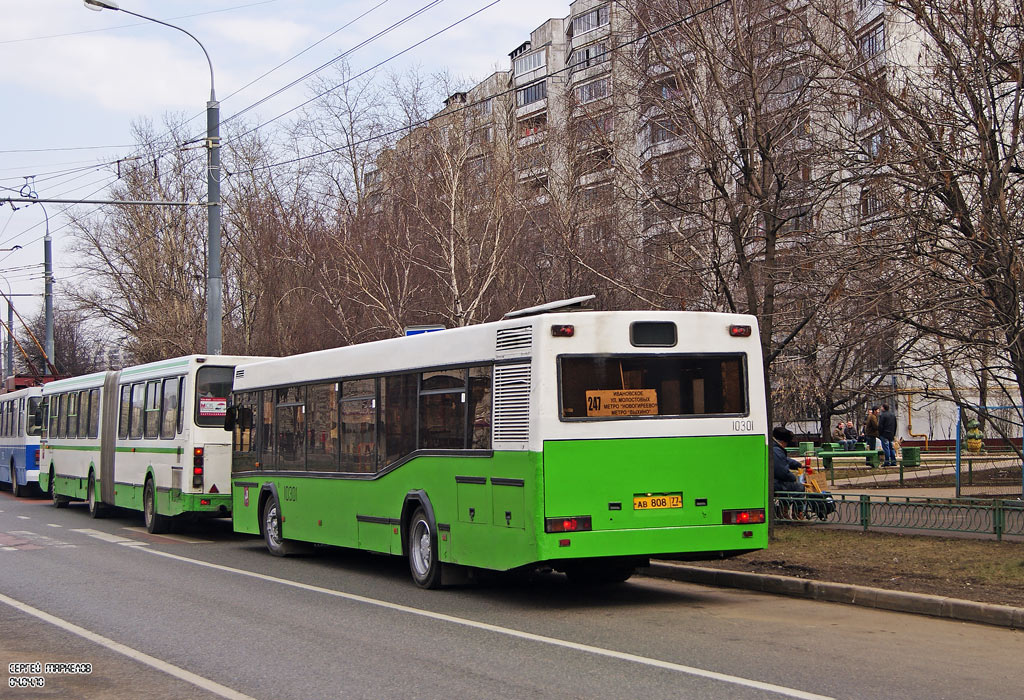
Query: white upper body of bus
{"x": 574, "y": 375}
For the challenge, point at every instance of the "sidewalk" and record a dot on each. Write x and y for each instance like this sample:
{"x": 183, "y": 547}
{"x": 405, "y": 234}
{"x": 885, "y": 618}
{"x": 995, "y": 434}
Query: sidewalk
{"x": 824, "y": 591}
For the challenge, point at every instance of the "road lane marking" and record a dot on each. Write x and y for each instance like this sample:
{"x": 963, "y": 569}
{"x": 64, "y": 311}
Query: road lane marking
{"x": 53, "y": 525}
{"x": 184, "y": 539}
{"x": 23, "y": 517}
{"x": 553, "y": 641}
{"x": 152, "y": 661}
{"x": 107, "y": 536}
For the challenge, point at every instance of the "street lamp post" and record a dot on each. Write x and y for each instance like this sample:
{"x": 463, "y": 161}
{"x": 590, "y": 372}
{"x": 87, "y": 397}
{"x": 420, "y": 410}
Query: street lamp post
{"x": 214, "y": 285}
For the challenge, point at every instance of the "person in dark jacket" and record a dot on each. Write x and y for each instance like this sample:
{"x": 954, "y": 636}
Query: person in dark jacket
{"x": 871, "y": 428}
{"x": 782, "y": 468}
{"x": 887, "y": 433}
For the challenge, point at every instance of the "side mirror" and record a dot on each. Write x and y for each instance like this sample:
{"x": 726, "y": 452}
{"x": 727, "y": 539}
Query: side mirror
{"x": 229, "y": 418}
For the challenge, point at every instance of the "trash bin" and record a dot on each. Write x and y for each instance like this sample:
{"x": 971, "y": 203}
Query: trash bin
{"x": 911, "y": 456}
{"x": 806, "y": 448}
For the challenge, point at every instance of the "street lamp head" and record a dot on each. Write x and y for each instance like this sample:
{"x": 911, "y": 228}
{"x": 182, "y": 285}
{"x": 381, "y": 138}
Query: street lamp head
{"x": 98, "y": 5}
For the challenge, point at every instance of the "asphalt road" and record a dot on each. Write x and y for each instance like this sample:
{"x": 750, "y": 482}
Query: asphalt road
{"x": 208, "y": 614}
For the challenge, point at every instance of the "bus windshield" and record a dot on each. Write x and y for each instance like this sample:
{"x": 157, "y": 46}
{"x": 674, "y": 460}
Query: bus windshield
{"x": 637, "y": 386}
{"x": 34, "y": 427}
{"x": 213, "y": 386}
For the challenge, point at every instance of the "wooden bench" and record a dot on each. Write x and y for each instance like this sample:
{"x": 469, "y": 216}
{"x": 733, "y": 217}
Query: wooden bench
{"x": 872, "y": 456}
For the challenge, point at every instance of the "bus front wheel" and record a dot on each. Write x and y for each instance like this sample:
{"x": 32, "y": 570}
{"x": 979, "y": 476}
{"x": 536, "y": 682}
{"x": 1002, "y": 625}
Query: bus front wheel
{"x": 155, "y": 523}
{"x": 422, "y": 547}
{"x": 276, "y": 543}
{"x": 59, "y": 501}
{"x": 95, "y": 507}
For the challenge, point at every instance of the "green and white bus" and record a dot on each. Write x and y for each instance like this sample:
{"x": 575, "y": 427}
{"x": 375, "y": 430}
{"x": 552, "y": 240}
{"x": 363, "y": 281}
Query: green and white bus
{"x": 149, "y": 438}
{"x": 582, "y": 441}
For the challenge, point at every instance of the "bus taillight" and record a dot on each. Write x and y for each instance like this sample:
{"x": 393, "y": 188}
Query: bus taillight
{"x": 563, "y": 331}
{"x": 37, "y": 455}
{"x": 748, "y": 516}
{"x": 197, "y": 467}
{"x": 579, "y": 523}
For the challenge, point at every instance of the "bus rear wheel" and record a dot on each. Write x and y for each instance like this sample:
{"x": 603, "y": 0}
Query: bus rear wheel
{"x": 422, "y": 549}
{"x": 155, "y": 523}
{"x": 17, "y": 490}
{"x": 95, "y": 507}
{"x": 276, "y": 543}
{"x": 59, "y": 501}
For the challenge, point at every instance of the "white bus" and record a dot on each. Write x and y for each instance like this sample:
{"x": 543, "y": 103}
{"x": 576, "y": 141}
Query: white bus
{"x": 19, "y": 439}
{"x": 149, "y": 438}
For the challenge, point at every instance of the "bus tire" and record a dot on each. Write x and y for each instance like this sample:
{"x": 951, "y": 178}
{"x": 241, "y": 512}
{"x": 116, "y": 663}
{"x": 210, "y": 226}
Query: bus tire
{"x": 16, "y": 490}
{"x": 95, "y": 507}
{"x": 270, "y": 523}
{"x": 155, "y": 523}
{"x": 59, "y": 501}
{"x": 422, "y": 550}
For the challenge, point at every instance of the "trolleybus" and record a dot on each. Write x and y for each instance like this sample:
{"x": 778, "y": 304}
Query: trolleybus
{"x": 582, "y": 441}
{"x": 19, "y": 439}
{"x": 149, "y": 438}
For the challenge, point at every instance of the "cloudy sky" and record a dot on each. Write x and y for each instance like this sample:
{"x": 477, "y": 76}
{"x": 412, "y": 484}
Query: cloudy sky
{"x": 75, "y": 80}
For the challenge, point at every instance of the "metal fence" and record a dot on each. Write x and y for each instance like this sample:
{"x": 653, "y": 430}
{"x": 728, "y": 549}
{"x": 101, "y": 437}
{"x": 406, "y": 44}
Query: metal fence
{"x": 997, "y": 518}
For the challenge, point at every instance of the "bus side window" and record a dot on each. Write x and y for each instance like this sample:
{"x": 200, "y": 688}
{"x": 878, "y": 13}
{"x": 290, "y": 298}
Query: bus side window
{"x": 243, "y": 435}
{"x": 126, "y": 406}
{"x": 54, "y": 414}
{"x": 322, "y": 427}
{"x": 171, "y": 406}
{"x": 94, "y": 413}
{"x": 84, "y": 406}
{"x": 181, "y": 393}
{"x": 266, "y": 439}
{"x": 358, "y": 425}
{"x": 398, "y": 415}
{"x": 137, "y": 410}
{"x": 152, "y": 410}
{"x": 21, "y": 416}
{"x": 291, "y": 427}
{"x": 479, "y": 411}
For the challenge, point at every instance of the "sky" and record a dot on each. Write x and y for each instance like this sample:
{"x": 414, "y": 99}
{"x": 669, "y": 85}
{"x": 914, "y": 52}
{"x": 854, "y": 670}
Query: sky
{"x": 75, "y": 81}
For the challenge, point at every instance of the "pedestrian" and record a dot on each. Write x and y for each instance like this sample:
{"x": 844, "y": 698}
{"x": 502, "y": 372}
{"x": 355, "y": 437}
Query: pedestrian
{"x": 839, "y": 434}
{"x": 887, "y": 433}
{"x": 850, "y": 433}
{"x": 783, "y": 467}
{"x": 871, "y": 427}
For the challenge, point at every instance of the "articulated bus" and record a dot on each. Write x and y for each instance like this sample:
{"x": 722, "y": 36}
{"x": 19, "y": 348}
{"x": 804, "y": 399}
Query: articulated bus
{"x": 580, "y": 441}
{"x": 19, "y": 438}
{"x": 149, "y": 438}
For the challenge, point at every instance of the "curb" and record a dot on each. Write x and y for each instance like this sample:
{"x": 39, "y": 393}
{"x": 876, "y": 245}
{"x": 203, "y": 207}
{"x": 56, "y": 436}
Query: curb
{"x": 824, "y": 591}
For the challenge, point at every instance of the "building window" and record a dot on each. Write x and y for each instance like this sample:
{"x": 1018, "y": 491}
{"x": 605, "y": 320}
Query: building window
{"x": 870, "y": 203}
{"x": 483, "y": 107}
{"x": 588, "y": 56}
{"x": 872, "y": 42}
{"x": 533, "y": 125}
{"x": 529, "y": 62}
{"x": 591, "y": 20}
{"x": 662, "y": 130}
{"x": 592, "y": 91}
{"x": 531, "y": 93}
{"x": 484, "y": 135}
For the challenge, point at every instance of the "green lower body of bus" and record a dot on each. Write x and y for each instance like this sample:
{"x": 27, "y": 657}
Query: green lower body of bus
{"x": 169, "y": 502}
{"x": 497, "y": 510}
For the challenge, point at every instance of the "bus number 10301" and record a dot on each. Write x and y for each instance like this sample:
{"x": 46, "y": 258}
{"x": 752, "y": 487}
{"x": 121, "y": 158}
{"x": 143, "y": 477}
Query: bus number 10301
{"x": 743, "y": 426}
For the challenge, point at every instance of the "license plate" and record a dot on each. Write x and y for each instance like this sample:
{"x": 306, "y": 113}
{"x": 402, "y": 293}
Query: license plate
{"x": 656, "y": 501}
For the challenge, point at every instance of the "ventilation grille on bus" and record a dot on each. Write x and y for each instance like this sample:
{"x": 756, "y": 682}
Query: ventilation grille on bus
{"x": 511, "y": 404}
{"x": 239, "y": 373}
{"x": 514, "y": 342}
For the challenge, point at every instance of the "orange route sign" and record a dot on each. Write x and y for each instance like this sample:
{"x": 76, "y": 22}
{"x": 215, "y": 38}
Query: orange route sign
{"x": 622, "y": 402}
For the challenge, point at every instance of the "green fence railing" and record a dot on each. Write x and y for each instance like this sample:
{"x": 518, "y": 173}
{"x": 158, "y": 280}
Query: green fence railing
{"x": 967, "y": 515}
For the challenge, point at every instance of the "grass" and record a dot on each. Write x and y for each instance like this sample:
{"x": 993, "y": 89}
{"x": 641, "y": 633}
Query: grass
{"x": 981, "y": 570}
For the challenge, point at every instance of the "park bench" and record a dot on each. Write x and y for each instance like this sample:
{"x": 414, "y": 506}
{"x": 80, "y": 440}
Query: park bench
{"x": 872, "y": 456}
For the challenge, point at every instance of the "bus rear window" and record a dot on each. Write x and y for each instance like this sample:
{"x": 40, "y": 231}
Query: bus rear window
{"x": 643, "y": 386}
{"x": 213, "y": 387}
